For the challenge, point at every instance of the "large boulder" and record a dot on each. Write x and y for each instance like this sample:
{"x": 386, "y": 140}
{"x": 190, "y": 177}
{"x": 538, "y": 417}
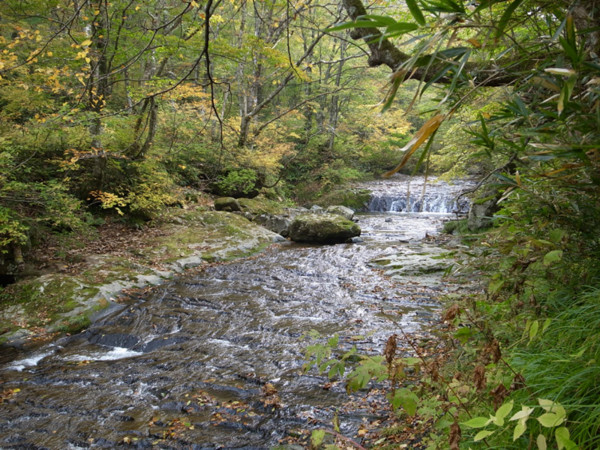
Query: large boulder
{"x": 229, "y": 204}
{"x": 322, "y": 228}
{"x": 483, "y": 208}
{"x": 277, "y": 223}
{"x": 341, "y": 211}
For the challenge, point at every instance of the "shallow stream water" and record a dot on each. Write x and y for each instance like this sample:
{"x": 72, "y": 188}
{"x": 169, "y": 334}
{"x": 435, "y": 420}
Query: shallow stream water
{"x": 195, "y": 363}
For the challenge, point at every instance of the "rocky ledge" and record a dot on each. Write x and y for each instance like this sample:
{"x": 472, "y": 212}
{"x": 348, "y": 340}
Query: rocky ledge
{"x": 67, "y": 301}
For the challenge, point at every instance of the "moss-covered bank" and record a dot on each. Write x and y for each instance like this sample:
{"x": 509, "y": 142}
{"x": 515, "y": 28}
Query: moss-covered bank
{"x": 67, "y": 302}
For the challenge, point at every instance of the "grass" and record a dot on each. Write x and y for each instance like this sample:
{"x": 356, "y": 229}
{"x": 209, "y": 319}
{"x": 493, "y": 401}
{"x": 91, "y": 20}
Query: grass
{"x": 564, "y": 365}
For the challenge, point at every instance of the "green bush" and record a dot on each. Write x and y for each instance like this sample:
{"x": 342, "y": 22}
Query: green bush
{"x": 238, "y": 183}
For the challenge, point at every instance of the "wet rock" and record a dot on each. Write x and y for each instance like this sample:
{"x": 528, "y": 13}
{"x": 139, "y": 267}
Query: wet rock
{"x": 124, "y": 418}
{"x": 277, "y": 223}
{"x": 341, "y": 211}
{"x": 323, "y": 229}
{"x": 17, "y": 339}
{"x": 229, "y": 204}
{"x": 114, "y": 340}
{"x": 157, "y": 343}
{"x": 482, "y": 209}
{"x": 357, "y": 199}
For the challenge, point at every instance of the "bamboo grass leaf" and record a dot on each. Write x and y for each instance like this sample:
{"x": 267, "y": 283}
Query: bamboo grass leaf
{"x": 416, "y": 11}
{"x": 506, "y": 17}
{"x": 426, "y": 131}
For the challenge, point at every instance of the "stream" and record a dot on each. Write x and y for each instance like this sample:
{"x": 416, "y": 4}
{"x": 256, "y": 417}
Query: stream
{"x": 213, "y": 359}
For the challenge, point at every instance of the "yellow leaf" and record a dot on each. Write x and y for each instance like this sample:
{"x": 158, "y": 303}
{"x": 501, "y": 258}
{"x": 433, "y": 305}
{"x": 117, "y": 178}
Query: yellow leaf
{"x": 420, "y": 136}
{"x": 86, "y": 43}
{"x": 547, "y": 84}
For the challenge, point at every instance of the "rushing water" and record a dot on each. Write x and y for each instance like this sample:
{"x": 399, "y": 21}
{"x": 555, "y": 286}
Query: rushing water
{"x": 416, "y": 195}
{"x": 193, "y": 363}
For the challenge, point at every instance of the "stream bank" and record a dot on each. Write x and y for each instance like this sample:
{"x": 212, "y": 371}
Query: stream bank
{"x": 86, "y": 285}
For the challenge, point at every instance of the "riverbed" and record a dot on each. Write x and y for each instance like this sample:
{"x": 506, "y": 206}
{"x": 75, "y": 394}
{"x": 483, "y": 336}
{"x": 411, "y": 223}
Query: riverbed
{"x": 213, "y": 359}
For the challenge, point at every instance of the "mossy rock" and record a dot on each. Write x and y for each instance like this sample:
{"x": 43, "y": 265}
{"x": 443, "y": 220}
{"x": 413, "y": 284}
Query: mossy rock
{"x": 322, "y": 229}
{"x": 340, "y": 210}
{"x": 456, "y": 226}
{"x": 227, "y": 204}
{"x": 261, "y": 205}
{"x": 65, "y": 302}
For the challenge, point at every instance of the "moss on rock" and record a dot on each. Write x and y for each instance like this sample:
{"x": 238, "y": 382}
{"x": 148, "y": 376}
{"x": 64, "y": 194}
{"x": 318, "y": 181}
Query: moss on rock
{"x": 64, "y": 302}
{"x": 322, "y": 229}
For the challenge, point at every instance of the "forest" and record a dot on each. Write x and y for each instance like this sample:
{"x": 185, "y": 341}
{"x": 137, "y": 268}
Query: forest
{"x": 120, "y": 112}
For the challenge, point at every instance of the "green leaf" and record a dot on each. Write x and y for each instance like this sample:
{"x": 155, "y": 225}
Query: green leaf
{"x": 401, "y": 28}
{"x": 354, "y": 24}
{"x": 541, "y": 442}
{"x": 406, "y": 399}
{"x": 447, "y": 6}
{"x": 457, "y": 74}
{"x": 557, "y": 235}
{"x": 523, "y": 414}
{"x": 505, "y": 179}
{"x": 550, "y": 406}
{"x": 504, "y": 411}
{"x": 495, "y": 285}
{"x": 550, "y": 420}
{"x": 552, "y": 257}
{"x": 316, "y": 438}
{"x": 569, "y": 50}
{"x": 520, "y": 428}
{"x": 482, "y": 435}
{"x": 336, "y": 369}
{"x": 533, "y": 330}
{"x": 477, "y": 422}
{"x": 506, "y": 17}
{"x": 333, "y": 342}
{"x": 547, "y": 323}
{"x": 415, "y": 11}
{"x": 562, "y": 436}
{"x": 563, "y": 439}
{"x": 463, "y": 334}
{"x": 570, "y": 31}
{"x": 565, "y": 93}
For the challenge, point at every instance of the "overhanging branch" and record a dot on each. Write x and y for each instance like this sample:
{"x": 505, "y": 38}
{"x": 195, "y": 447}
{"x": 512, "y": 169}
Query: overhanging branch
{"x": 384, "y": 52}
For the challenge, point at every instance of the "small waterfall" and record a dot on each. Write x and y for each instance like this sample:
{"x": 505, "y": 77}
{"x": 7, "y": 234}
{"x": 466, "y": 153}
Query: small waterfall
{"x": 400, "y": 196}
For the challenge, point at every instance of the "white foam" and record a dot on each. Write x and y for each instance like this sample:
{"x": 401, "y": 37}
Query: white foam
{"x": 32, "y": 361}
{"x": 111, "y": 355}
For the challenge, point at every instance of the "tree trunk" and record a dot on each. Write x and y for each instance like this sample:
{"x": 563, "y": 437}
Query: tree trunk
{"x": 98, "y": 87}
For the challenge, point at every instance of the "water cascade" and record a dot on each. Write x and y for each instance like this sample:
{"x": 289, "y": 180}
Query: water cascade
{"x": 417, "y": 196}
